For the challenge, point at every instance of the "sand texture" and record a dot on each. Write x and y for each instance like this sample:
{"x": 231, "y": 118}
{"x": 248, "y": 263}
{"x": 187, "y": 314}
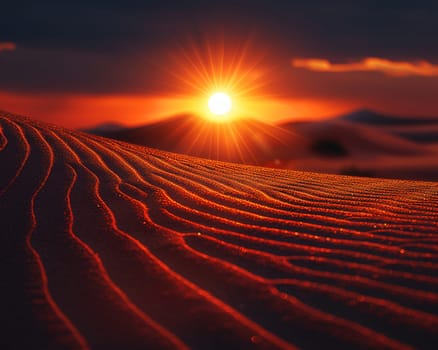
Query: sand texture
{"x": 106, "y": 245}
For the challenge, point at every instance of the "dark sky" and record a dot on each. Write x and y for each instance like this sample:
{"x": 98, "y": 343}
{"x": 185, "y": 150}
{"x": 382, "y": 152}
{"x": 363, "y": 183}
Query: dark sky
{"x": 91, "y": 47}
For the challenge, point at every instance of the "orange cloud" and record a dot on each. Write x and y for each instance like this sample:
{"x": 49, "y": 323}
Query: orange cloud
{"x": 370, "y": 64}
{"x": 7, "y": 46}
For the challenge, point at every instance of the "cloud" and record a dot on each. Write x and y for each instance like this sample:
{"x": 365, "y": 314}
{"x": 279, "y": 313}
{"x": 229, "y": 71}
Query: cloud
{"x": 370, "y": 64}
{"x": 7, "y": 46}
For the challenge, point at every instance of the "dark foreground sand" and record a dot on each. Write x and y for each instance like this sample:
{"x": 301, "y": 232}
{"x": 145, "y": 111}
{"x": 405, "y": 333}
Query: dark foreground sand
{"x": 108, "y": 245}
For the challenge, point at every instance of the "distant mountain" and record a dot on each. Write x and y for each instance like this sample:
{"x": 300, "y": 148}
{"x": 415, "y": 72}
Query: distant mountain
{"x": 428, "y": 135}
{"x": 242, "y": 140}
{"x": 366, "y": 116}
{"x": 417, "y": 129}
{"x": 104, "y": 128}
{"x": 338, "y": 137}
{"x": 414, "y": 129}
{"x": 363, "y": 143}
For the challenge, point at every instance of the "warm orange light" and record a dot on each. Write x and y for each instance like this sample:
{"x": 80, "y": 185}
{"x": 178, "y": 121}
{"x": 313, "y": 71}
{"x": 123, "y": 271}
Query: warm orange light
{"x": 220, "y": 105}
{"x": 220, "y": 81}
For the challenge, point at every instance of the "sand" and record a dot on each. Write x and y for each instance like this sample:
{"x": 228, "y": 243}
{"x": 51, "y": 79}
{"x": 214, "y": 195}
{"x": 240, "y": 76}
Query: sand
{"x": 109, "y": 245}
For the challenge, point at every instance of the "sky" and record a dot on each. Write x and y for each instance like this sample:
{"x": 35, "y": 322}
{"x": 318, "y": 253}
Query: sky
{"x": 84, "y": 62}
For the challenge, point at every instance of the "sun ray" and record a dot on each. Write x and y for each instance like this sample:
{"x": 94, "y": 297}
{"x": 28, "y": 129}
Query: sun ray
{"x": 223, "y": 85}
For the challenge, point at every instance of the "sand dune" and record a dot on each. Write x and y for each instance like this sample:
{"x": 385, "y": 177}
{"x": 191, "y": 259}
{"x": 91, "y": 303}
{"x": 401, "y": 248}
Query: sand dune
{"x": 363, "y": 143}
{"x": 243, "y": 140}
{"x": 109, "y": 245}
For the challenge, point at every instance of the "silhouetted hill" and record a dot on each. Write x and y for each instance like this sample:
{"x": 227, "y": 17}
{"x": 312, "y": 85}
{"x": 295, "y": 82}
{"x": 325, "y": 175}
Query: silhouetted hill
{"x": 367, "y": 116}
{"x": 368, "y": 144}
{"x": 346, "y": 137}
{"x": 104, "y": 128}
{"x": 242, "y": 140}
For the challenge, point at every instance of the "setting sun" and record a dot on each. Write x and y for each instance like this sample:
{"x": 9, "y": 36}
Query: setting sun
{"x": 219, "y": 103}
{"x": 221, "y": 82}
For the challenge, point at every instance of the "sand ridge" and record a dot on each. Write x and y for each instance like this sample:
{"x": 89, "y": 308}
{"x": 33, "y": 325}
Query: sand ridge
{"x": 111, "y": 245}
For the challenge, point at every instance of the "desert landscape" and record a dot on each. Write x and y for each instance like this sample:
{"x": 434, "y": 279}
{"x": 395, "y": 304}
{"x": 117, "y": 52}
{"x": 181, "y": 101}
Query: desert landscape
{"x": 360, "y": 143}
{"x": 244, "y": 174}
{"x": 107, "y": 245}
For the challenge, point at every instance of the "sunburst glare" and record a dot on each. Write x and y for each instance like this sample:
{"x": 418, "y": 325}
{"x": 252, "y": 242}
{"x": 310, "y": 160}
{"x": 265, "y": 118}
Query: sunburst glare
{"x": 223, "y": 86}
{"x": 220, "y": 79}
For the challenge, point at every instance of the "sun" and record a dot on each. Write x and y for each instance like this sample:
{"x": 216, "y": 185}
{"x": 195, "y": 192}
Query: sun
{"x": 219, "y": 103}
{"x": 220, "y": 81}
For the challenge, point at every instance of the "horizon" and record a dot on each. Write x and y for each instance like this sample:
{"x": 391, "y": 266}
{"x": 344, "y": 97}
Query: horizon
{"x": 133, "y": 123}
{"x": 117, "y": 122}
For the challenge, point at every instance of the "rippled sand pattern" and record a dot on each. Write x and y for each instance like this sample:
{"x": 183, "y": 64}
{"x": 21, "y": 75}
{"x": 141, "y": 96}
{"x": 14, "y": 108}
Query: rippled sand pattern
{"x": 108, "y": 245}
